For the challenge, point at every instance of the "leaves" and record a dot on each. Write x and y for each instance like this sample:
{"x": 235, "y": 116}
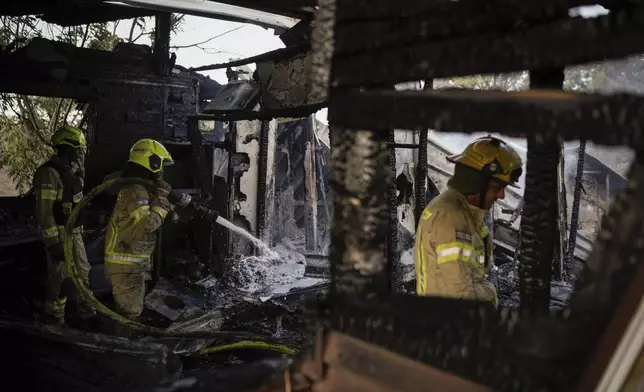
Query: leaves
{"x": 27, "y": 123}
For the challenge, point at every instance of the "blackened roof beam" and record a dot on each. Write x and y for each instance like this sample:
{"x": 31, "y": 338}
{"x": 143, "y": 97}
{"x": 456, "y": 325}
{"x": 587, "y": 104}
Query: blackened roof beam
{"x": 602, "y": 119}
{"x": 274, "y": 55}
{"x": 71, "y": 12}
{"x": 467, "y": 10}
{"x": 265, "y": 115}
{"x": 554, "y": 44}
{"x": 435, "y": 19}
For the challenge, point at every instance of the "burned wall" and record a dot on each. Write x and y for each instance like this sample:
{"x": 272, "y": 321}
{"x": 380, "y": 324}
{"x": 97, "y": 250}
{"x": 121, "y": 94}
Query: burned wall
{"x": 289, "y": 84}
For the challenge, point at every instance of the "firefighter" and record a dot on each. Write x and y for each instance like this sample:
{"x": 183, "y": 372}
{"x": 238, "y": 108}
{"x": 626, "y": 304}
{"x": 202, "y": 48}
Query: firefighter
{"x": 453, "y": 248}
{"x": 130, "y": 237}
{"x": 58, "y": 187}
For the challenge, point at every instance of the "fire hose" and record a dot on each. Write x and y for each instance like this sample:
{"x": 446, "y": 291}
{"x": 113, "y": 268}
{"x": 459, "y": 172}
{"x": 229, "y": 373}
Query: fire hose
{"x": 243, "y": 340}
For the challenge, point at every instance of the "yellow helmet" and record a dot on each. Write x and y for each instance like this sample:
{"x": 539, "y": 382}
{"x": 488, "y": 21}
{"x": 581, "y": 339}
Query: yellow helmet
{"x": 150, "y": 154}
{"x": 69, "y": 136}
{"x": 492, "y": 156}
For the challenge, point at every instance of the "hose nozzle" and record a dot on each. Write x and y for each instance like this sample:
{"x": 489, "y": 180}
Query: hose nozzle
{"x": 179, "y": 199}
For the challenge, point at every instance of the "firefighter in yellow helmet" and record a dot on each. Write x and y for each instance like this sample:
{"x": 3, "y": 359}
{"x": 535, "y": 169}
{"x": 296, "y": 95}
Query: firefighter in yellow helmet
{"x": 58, "y": 187}
{"x": 453, "y": 248}
{"x": 130, "y": 238}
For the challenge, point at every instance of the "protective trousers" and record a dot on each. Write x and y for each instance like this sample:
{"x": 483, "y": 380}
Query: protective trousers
{"x": 56, "y": 275}
{"x": 128, "y": 290}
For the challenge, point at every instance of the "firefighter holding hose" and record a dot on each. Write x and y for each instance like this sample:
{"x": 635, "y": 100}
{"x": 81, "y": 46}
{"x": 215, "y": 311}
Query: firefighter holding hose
{"x": 453, "y": 248}
{"x": 131, "y": 233}
{"x": 58, "y": 187}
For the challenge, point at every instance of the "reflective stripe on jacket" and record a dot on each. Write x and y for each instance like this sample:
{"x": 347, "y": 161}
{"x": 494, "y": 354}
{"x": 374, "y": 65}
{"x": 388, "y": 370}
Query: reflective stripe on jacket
{"x": 453, "y": 250}
{"x": 131, "y": 237}
{"x": 52, "y": 207}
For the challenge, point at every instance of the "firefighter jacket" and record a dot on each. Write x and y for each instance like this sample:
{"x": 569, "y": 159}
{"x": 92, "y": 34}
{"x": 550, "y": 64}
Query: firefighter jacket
{"x": 57, "y": 190}
{"x": 131, "y": 237}
{"x": 453, "y": 250}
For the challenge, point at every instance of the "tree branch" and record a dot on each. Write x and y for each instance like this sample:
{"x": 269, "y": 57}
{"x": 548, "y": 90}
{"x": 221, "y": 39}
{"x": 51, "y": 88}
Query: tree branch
{"x": 29, "y": 118}
{"x": 132, "y": 29}
{"x": 206, "y": 41}
{"x": 138, "y": 36}
{"x": 82, "y": 45}
{"x": 53, "y": 121}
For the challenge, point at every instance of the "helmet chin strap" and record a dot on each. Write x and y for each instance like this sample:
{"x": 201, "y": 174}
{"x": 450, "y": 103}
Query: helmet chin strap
{"x": 484, "y": 186}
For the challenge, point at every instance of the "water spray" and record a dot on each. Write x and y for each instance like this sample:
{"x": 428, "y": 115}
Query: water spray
{"x": 247, "y": 340}
{"x": 184, "y": 201}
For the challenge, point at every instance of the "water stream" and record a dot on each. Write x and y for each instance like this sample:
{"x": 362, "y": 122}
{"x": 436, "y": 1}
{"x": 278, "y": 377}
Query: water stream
{"x": 264, "y": 249}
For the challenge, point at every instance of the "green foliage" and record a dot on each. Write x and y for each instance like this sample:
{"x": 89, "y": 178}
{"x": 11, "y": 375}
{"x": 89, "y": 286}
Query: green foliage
{"x": 21, "y": 153}
{"x": 26, "y": 123}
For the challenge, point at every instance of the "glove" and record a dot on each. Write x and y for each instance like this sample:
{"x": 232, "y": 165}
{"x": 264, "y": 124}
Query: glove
{"x": 57, "y": 252}
{"x": 162, "y": 189}
{"x": 160, "y": 198}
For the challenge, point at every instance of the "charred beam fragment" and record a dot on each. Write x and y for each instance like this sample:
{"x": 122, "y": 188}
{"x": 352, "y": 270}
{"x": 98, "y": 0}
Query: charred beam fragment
{"x": 360, "y": 215}
{"x": 539, "y": 215}
{"x": 520, "y": 353}
{"x": 411, "y": 21}
{"x": 393, "y": 255}
{"x": 421, "y": 169}
{"x": 574, "y": 215}
{"x": 608, "y": 120}
{"x": 555, "y": 44}
{"x": 274, "y": 55}
{"x": 265, "y": 115}
{"x": 471, "y": 12}
{"x": 262, "y": 175}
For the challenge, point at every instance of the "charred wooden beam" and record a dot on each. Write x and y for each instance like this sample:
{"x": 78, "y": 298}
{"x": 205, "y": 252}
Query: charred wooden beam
{"x": 355, "y": 366}
{"x": 470, "y": 13}
{"x": 608, "y": 120}
{"x": 272, "y": 56}
{"x": 360, "y": 215}
{"x": 574, "y": 215}
{"x": 262, "y": 186}
{"x": 539, "y": 215}
{"x": 555, "y": 44}
{"x": 393, "y": 255}
{"x": 520, "y": 353}
{"x": 435, "y": 20}
{"x": 421, "y": 166}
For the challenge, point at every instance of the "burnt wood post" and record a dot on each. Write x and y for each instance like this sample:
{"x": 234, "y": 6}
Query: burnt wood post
{"x": 393, "y": 256}
{"x": 162, "y": 42}
{"x": 539, "y": 216}
{"x": 574, "y": 216}
{"x": 421, "y": 166}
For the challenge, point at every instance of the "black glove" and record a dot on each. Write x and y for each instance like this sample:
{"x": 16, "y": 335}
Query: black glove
{"x": 57, "y": 252}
